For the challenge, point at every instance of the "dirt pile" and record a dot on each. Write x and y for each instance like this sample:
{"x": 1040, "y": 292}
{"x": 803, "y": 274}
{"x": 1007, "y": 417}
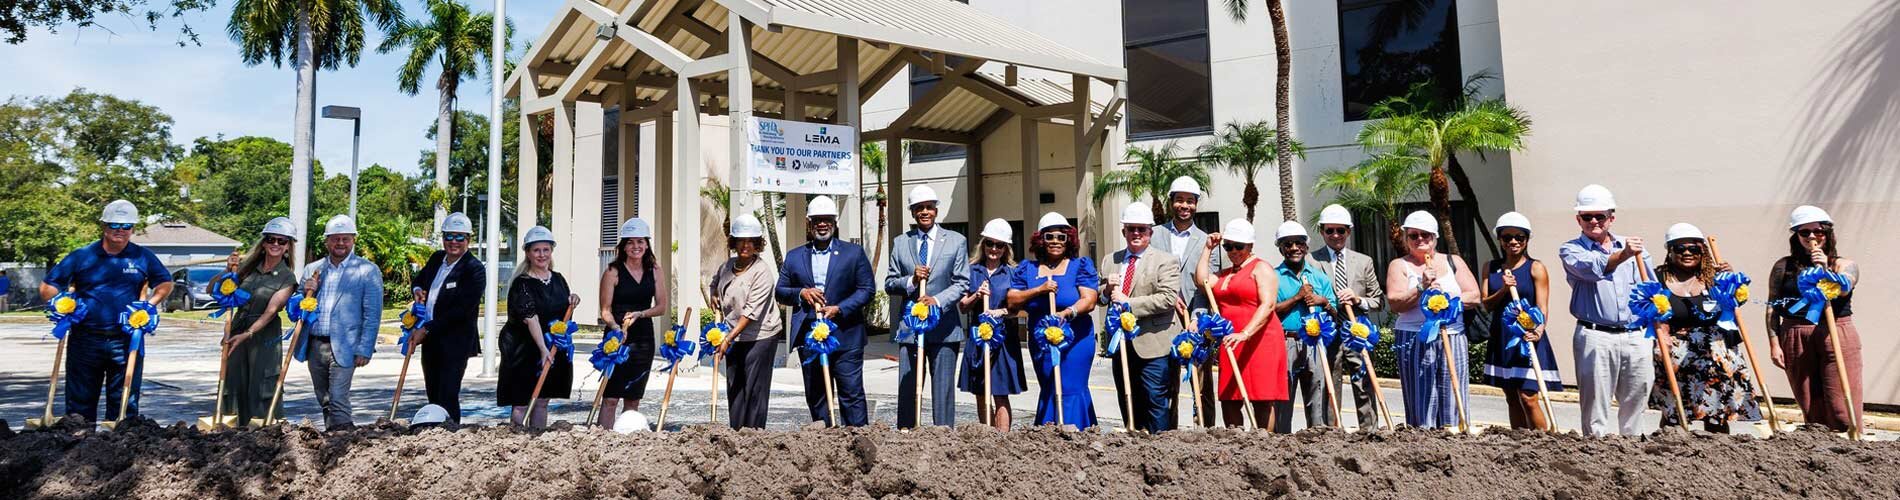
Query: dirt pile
{"x": 386, "y": 461}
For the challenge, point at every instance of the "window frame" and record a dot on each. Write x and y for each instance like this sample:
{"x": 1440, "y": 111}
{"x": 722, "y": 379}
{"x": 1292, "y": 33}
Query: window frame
{"x": 1339, "y": 18}
{"x": 1128, "y": 119}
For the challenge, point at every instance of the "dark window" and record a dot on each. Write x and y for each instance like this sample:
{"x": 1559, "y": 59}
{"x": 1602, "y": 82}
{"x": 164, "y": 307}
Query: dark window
{"x": 1170, "y": 89}
{"x": 1386, "y": 46}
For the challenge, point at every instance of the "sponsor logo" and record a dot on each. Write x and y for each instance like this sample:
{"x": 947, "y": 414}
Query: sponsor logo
{"x": 822, "y": 137}
{"x": 769, "y": 131}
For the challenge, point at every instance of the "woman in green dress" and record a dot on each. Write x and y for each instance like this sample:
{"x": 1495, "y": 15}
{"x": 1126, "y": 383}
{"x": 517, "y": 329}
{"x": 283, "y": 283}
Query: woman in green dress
{"x": 254, "y": 337}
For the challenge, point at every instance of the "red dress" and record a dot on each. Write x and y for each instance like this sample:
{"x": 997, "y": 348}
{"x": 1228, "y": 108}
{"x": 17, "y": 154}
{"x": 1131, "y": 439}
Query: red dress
{"x": 1262, "y": 357}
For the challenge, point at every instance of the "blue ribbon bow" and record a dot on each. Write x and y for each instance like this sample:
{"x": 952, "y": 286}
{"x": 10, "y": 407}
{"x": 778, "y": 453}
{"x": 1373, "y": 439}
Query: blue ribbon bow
{"x": 139, "y": 319}
{"x": 227, "y": 300}
{"x": 994, "y": 337}
{"x": 1213, "y": 326}
{"x": 918, "y": 318}
{"x": 675, "y": 346}
{"x": 1318, "y": 328}
{"x": 298, "y": 312}
{"x": 1650, "y": 303}
{"x": 711, "y": 340}
{"x": 64, "y": 321}
{"x": 610, "y": 352}
{"x": 1730, "y": 293}
{"x": 1818, "y": 285}
{"x": 560, "y": 337}
{"x": 1354, "y": 342}
{"x": 411, "y": 320}
{"x": 1516, "y": 314}
{"x": 1440, "y": 309}
{"x": 1122, "y": 325}
{"x": 1064, "y": 337}
{"x": 821, "y": 341}
{"x": 1190, "y": 349}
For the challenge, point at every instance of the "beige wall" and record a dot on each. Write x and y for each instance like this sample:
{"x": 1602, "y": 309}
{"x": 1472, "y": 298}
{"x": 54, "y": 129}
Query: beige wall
{"x": 1722, "y": 116}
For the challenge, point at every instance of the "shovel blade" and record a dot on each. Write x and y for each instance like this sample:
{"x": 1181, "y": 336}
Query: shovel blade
{"x": 212, "y": 424}
{"x": 37, "y": 423}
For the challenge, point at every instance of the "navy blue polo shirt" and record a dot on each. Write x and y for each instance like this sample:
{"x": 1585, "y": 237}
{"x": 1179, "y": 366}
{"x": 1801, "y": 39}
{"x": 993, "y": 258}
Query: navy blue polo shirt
{"x": 106, "y": 282}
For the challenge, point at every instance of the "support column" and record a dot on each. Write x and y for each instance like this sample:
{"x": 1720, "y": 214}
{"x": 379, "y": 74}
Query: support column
{"x": 973, "y": 175}
{"x": 527, "y": 174}
{"x": 1088, "y": 226}
{"x": 795, "y": 202}
{"x": 738, "y": 112}
{"x": 1032, "y": 178}
{"x": 665, "y": 234}
{"x": 628, "y": 165}
{"x": 895, "y": 215}
{"x": 561, "y": 214}
{"x": 849, "y": 113}
{"x": 581, "y": 246}
{"x": 690, "y": 176}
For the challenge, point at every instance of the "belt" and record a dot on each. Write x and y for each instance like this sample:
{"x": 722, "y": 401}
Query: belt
{"x": 1605, "y": 328}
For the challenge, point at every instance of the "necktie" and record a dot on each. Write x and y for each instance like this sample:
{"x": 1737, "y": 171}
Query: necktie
{"x": 1339, "y": 269}
{"x": 1128, "y": 277}
{"x": 923, "y": 249}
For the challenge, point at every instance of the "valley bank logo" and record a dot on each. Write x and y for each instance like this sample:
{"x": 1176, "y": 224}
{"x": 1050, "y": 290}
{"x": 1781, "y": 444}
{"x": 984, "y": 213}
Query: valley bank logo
{"x": 822, "y": 137}
{"x": 770, "y": 133}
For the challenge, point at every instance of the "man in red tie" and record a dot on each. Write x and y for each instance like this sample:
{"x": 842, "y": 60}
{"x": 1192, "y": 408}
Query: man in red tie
{"x": 1149, "y": 283}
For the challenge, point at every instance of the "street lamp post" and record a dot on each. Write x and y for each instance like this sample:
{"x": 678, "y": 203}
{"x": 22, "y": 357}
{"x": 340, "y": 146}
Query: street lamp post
{"x": 355, "y": 116}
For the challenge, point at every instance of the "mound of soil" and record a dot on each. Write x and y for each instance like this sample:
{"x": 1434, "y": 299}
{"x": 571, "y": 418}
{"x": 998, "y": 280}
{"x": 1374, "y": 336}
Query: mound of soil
{"x": 387, "y": 461}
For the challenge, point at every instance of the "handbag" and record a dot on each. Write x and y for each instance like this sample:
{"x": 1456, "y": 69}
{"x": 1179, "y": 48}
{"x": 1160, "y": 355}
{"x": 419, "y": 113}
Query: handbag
{"x": 1478, "y": 322}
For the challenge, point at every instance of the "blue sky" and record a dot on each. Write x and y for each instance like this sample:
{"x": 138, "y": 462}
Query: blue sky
{"x": 208, "y": 90}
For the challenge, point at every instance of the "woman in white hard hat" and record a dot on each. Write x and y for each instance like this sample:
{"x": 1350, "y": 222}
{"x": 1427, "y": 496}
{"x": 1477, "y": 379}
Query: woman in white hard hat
{"x": 1428, "y": 389}
{"x": 1510, "y": 369}
{"x": 256, "y": 349}
{"x": 633, "y": 291}
{"x": 1711, "y": 369}
{"x": 1799, "y": 347}
{"x": 1257, "y": 342}
{"x": 536, "y": 297}
{"x": 1057, "y": 269}
{"x": 742, "y": 290}
{"x": 992, "y": 268}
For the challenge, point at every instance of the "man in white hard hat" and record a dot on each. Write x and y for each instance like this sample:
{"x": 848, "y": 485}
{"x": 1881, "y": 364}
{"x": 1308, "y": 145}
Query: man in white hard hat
{"x": 1185, "y": 241}
{"x": 1304, "y": 291}
{"x": 832, "y": 279}
{"x": 107, "y": 276}
{"x": 342, "y": 338}
{"x": 1614, "y": 360}
{"x": 1149, "y": 282}
{"x": 927, "y": 265}
{"x": 1357, "y": 284}
{"x": 450, "y": 286}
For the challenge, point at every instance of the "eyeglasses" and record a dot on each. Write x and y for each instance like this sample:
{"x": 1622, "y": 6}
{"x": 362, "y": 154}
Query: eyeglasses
{"x": 1686, "y": 249}
{"x": 1293, "y": 243}
{"x": 276, "y": 240}
{"x": 1593, "y": 217}
{"x": 1420, "y": 236}
{"x": 456, "y": 237}
{"x": 119, "y": 226}
{"x": 1513, "y": 237}
{"x": 1234, "y": 247}
{"x": 1055, "y": 237}
{"x": 1335, "y": 231}
{"x": 1810, "y": 233}
{"x": 995, "y": 244}
{"x": 1137, "y": 229}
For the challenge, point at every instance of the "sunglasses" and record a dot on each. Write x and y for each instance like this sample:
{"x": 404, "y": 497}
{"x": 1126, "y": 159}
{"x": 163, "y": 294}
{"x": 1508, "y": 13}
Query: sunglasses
{"x": 456, "y": 237}
{"x": 1810, "y": 233}
{"x": 276, "y": 240}
{"x": 1234, "y": 247}
{"x": 995, "y": 244}
{"x": 119, "y": 226}
{"x": 1137, "y": 229}
{"x": 1420, "y": 236}
{"x": 1335, "y": 231}
{"x": 1055, "y": 238}
{"x": 1686, "y": 249}
{"x": 1593, "y": 217}
{"x": 1293, "y": 243}
{"x": 1513, "y": 237}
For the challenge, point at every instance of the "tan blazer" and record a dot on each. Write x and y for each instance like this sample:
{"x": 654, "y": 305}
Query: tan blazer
{"x": 1151, "y": 297}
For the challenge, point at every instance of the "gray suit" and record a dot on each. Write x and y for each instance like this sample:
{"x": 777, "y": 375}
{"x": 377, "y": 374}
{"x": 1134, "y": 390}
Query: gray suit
{"x": 1190, "y": 256}
{"x": 949, "y": 280}
{"x": 1363, "y": 281}
{"x": 1151, "y": 296}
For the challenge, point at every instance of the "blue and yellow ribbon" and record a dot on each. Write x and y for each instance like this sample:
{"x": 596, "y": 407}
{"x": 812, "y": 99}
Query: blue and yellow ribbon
{"x": 675, "y": 346}
{"x": 1650, "y": 303}
{"x": 1317, "y": 329}
{"x": 1053, "y": 334}
{"x": 302, "y": 308}
{"x": 65, "y": 311}
{"x": 139, "y": 319}
{"x": 610, "y": 352}
{"x": 1122, "y": 324}
{"x": 412, "y": 320}
{"x": 715, "y": 334}
{"x": 560, "y": 337}
{"x": 1521, "y": 318}
{"x": 1440, "y": 309}
{"x": 1213, "y": 326}
{"x": 988, "y": 330}
{"x": 225, "y": 292}
{"x": 1190, "y": 349}
{"x": 1819, "y": 285}
{"x": 918, "y": 318}
{"x": 1359, "y": 334}
{"x": 1730, "y": 293}
{"x": 821, "y": 341}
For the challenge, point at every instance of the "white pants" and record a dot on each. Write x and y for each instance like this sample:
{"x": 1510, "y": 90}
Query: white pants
{"x": 1615, "y": 365}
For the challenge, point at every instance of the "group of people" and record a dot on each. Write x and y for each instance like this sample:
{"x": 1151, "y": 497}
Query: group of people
{"x": 1168, "y": 275}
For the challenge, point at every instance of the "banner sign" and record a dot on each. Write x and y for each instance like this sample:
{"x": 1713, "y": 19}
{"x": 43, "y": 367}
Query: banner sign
{"x": 800, "y": 157}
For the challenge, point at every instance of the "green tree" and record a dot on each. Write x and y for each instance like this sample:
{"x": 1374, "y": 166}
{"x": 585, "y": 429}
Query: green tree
{"x": 1433, "y": 132}
{"x": 468, "y": 159}
{"x": 17, "y": 16}
{"x": 454, "y": 39}
{"x": 1378, "y": 185}
{"x": 721, "y": 198}
{"x": 243, "y": 182}
{"x": 1154, "y": 169}
{"x": 875, "y": 159}
{"x": 396, "y": 244}
{"x": 1282, "y": 107}
{"x": 61, "y": 159}
{"x": 1245, "y": 148}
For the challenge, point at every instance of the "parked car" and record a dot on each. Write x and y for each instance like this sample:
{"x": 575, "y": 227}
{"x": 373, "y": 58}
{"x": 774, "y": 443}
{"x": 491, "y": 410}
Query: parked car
{"x": 188, "y": 289}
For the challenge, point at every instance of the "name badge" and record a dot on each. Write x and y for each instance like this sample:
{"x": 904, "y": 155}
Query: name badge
{"x": 449, "y": 286}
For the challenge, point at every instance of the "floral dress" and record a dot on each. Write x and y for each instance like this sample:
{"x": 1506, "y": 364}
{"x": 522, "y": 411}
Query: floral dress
{"x": 1711, "y": 369}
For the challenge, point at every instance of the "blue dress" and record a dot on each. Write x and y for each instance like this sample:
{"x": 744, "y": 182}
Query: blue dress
{"x": 1007, "y": 365}
{"x": 1511, "y": 369}
{"x": 1078, "y": 409}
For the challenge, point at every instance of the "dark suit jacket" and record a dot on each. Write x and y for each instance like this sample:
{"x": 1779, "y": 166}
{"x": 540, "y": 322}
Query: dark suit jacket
{"x": 452, "y": 327}
{"x": 848, "y": 285}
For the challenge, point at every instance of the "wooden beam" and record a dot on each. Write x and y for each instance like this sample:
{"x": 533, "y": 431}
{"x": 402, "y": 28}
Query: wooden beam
{"x": 920, "y": 106}
{"x": 883, "y": 74}
{"x": 1107, "y": 118}
{"x": 938, "y": 136}
{"x": 561, "y": 69}
{"x": 654, "y": 47}
{"x": 638, "y": 63}
{"x": 975, "y": 86}
{"x": 585, "y": 70}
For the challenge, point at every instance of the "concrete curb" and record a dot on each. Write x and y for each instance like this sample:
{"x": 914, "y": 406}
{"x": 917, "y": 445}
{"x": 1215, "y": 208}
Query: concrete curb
{"x": 1784, "y": 409}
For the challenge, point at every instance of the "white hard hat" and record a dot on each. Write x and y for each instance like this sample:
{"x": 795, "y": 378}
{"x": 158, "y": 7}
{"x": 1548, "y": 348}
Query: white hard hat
{"x": 1238, "y": 231}
{"x": 1335, "y": 214}
{"x": 922, "y": 194}
{"x": 998, "y": 229}
{"x": 632, "y": 421}
{"x": 1050, "y": 220}
{"x": 635, "y": 228}
{"x": 747, "y": 226}
{"x": 120, "y": 212}
{"x": 1185, "y": 184}
{"x": 1423, "y": 221}
{"x": 1807, "y": 214}
{"x": 458, "y": 223}
{"x": 1512, "y": 219}
{"x": 281, "y": 226}
{"x": 1289, "y": 229}
{"x": 537, "y": 234}
{"x": 341, "y": 224}
{"x": 1680, "y": 231}
{"x": 1138, "y": 213}
{"x": 1595, "y": 198}
{"x": 429, "y": 414}
{"x": 821, "y": 206}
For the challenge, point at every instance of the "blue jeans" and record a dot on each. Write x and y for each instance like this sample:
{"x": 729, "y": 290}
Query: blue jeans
{"x": 1157, "y": 383}
{"x": 95, "y": 358}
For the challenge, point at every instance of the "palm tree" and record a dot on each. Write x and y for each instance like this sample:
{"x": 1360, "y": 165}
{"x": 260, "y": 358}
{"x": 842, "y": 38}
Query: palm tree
{"x": 1282, "y": 87}
{"x": 1378, "y": 185}
{"x": 317, "y": 34}
{"x": 1154, "y": 169}
{"x": 455, "y": 39}
{"x": 1434, "y": 133}
{"x": 721, "y": 198}
{"x": 1243, "y": 148}
{"x": 873, "y": 156}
